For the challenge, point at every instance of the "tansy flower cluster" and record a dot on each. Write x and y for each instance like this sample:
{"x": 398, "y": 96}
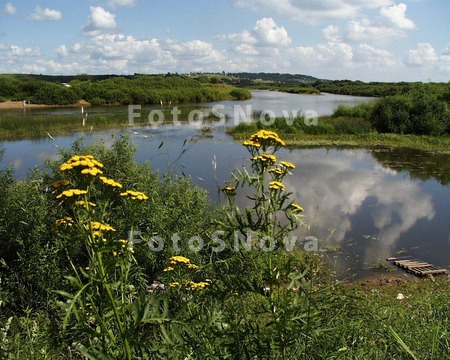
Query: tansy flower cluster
{"x": 191, "y": 285}
{"x": 71, "y": 192}
{"x": 60, "y": 183}
{"x": 287, "y": 164}
{"x": 229, "y": 190}
{"x": 276, "y": 185}
{"x": 87, "y": 162}
{"x": 84, "y": 203}
{"x": 135, "y": 195}
{"x": 265, "y": 139}
{"x": 64, "y": 221}
{"x": 176, "y": 260}
{"x": 110, "y": 182}
{"x": 276, "y": 171}
{"x": 98, "y": 226}
{"x": 268, "y": 159}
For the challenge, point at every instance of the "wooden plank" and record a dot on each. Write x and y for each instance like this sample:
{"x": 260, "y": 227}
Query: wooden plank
{"x": 437, "y": 271}
{"x": 398, "y": 258}
{"x": 416, "y": 267}
{"x": 410, "y": 262}
{"x": 413, "y": 264}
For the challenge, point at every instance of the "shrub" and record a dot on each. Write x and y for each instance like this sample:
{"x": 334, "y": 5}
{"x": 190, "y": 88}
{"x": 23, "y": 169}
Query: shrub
{"x": 241, "y": 94}
{"x": 359, "y": 111}
{"x": 419, "y": 114}
{"x": 54, "y": 94}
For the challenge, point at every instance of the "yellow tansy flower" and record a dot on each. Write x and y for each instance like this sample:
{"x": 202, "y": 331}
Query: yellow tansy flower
{"x": 276, "y": 185}
{"x": 276, "y": 171}
{"x": 84, "y": 203}
{"x": 229, "y": 189}
{"x": 110, "y": 182}
{"x": 296, "y": 207}
{"x": 179, "y": 259}
{"x": 65, "y": 221}
{"x": 91, "y": 171}
{"x": 98, "y": 226}
{"x": 71, "y": 192}
{"x": 135, "y": 195}
{"x": 60, "y": 183}
{"x": 287, "y": 164}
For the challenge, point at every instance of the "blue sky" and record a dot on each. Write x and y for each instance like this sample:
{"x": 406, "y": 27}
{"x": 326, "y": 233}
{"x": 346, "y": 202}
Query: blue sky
{"x": 369, "y": 40}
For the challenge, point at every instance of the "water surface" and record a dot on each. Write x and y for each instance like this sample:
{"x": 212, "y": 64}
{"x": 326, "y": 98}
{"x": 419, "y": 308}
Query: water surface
{"x": 365, "y": 205}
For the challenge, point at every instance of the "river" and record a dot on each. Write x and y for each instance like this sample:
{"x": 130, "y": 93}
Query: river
{"x": 361, "y": 205}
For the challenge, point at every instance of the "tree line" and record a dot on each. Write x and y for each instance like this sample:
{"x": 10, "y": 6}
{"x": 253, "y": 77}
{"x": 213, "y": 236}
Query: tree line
{"x": 113, "y": 90}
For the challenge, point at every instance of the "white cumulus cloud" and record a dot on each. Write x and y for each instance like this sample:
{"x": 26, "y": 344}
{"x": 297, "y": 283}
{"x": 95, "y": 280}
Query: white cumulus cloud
{"x": 99, "y": 19}
{"x": 396, "y": 17}
{"x": 120, "y": 3}
{"x": 312, "y": 11}
{"x": 62, "y": 50}
{"x": 16, "y": 50}
{"x": 331, "y": 33}
{"x": 268, "y": 33}
{"x": 365, "y": 30}
{"x": 265, "y": 33}
{"x": 374, "y": 58}
{"x": 10, "y": 9}
{"x": 423, "y": 55}
{"x": 45, "y": 14}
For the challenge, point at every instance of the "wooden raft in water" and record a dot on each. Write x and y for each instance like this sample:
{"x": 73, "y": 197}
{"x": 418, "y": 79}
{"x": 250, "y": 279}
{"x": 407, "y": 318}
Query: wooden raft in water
{"x": 416, "y": 267}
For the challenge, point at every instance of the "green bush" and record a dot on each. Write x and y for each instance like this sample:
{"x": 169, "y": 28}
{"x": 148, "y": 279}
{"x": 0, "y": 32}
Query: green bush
{"x": 362, "y": 111}
{"x": 54, "y": 94}
{"x": 419, "y": 114}
{"x": 241, "y": 94}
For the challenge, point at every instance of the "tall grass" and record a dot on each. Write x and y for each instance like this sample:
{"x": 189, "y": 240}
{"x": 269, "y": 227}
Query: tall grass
{"x": 18, "y": 126}
{"x": 231, "y": 304}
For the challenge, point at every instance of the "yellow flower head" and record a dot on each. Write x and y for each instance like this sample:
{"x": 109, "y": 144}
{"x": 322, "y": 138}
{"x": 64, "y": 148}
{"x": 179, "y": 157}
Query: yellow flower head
{"x": 86, "y": 161}
{"x": 287, "y": 164}
{"x": 296, "y": 207}
{"x": 71, "y": 192}
{"x": 84, "y": 203}
{"x": 110, "y": 182}
{"x": 251, "y": 143}
{"x": 179, "y": 259}
{"x": 276, "y": 171}
{"x": 64, "y": 221}
{"x": 276, "y": 185}
{"x": 60, "y": 183}
{"x": 91, "y": 171}
{"x": 193, "y": 286}
{"x": 229, "y": 189}
{"x": 135, "y": 195}
{"x": 267, "y": 138}
{"x": 98, "y": 226}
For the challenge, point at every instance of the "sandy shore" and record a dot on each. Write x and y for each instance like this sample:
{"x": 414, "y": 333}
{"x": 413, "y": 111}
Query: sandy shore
{"x": 11, "y": 105}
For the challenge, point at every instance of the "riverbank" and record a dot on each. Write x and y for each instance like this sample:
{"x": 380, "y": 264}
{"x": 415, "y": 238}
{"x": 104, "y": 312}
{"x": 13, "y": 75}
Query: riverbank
{"x": 19, "y": 105}
{"x": 366, "y": 141}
